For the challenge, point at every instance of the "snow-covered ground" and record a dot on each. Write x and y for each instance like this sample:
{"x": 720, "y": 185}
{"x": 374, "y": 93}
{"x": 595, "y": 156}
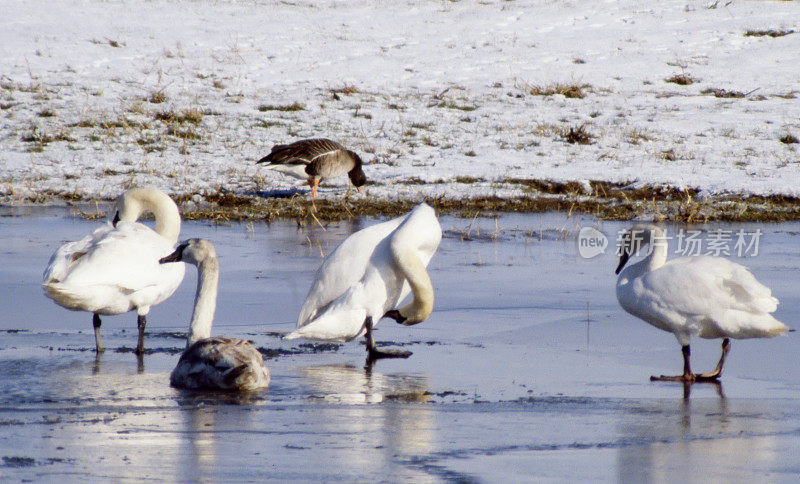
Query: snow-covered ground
{"x": 428, "y": 91}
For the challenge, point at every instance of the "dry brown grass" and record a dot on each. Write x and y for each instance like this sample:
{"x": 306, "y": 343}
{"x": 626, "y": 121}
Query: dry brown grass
{"x": 184, "y": 134}
{"x": 609, "y": 201}
{"x": 767, "y": 33}
{"x": 572, "y": 91}
{"x": 449, "y": 104}
{"x": 295, "y": 106}
{"x": 193, "y": 116}
{"x": 681, "y": 79}
{"x": 789, "y": 139}
{"x": 577, "y": 135}
{"x": 157, "y": 97}
{"x": 345, "y": 89}
{"x": 722, "y": 93}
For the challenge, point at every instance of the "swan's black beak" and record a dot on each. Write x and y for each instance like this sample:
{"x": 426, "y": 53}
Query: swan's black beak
{"x": 623, "y": 259}
{"x": 395, "y": 314}
{"x": 175, "y": 256}
{"x": 115, "y": 221}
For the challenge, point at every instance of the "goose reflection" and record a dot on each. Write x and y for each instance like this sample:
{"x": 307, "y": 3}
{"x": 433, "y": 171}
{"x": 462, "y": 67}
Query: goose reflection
{"x": 320, "y": 239}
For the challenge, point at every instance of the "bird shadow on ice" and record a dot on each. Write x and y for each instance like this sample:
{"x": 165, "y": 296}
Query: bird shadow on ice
{"x": 278, "y": 193}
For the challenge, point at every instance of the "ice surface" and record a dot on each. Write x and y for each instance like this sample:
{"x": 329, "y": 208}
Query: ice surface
{"x": 527, "y": 369}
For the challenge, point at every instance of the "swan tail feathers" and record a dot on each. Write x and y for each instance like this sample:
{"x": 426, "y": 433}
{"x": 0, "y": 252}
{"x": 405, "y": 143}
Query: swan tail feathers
{"x": 85, "y": 298}
{"x": 293, "y": 335}
{"x": 748, "y": 325}
{"x": 64, "y": 295}
{"x": 327, "y": 328}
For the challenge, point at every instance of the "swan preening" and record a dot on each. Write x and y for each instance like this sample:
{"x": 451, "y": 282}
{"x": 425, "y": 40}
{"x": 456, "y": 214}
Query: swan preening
{"x": 367, "y": 275}
{"x": 212, "y": 363}
{"x": 703, "y": 296}
{"x": 315, "y": 160}
{"x": 115, "y": 269}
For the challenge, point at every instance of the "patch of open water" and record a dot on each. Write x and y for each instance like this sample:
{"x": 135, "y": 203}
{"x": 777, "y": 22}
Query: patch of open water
{"x": 527, "y": 369}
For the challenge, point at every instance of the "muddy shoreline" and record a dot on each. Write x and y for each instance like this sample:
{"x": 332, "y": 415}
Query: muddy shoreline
{"x": 603, "y": 200}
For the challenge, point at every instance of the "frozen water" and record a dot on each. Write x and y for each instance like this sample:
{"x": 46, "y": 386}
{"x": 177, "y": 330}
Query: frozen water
{"x": 527, "y": 369}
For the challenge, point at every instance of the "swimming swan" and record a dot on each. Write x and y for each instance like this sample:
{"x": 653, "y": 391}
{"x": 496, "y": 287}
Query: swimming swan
{"x": 212, "y": 363}
{"x": 366, "y": 277}
{"x": 703, "y": 296}
{"x": 315, "y": 160}
{"x": 115, "y": 269}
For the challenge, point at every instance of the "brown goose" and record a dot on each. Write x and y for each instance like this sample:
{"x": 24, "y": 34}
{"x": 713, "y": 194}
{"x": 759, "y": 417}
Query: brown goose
{"x": 315, "y": 160}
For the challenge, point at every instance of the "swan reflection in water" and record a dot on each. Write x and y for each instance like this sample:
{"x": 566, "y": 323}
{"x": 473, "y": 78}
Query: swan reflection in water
{"x": 97, "y": 365}
{"x": 402, "y": 424}
{"x": 351, "y": 385}
{"x": 699, "y": 439}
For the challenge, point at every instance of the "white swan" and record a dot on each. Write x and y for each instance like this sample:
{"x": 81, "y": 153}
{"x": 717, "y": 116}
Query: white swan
{"x": 212, "y": 363}
{"x": 115, "y": 269}
{"x": 703, "y": 296}
{"x": 366, "y": 277}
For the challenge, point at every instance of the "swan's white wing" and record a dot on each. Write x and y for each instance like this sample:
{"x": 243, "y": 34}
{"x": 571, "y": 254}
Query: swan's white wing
{"x": 126, "y": 257}
{"x": 702, "y": 285}
{"x": 343, "y": 319}
{"x": 719, "y": 297}
{"x": 69, "y": 254}
{"x": 380, "y": 288}
{"x": 343, "y": 268}
{"x": 119, "y": 271}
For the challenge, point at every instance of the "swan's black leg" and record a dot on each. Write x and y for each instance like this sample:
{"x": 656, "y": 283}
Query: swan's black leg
{"x": 374, "y": 353}
{"x": 687, "y": 376}
{"x": 141, "y": 322}
{"x": 98, "y": 345}
{"x": 714, "y": 375}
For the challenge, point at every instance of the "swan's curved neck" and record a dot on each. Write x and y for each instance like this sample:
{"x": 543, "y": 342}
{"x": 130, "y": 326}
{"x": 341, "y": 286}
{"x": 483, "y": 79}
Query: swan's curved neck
{"x": 205, "y": 300}
{"x": 163, "y": 208}
{"x": 414, "y": 271}
{"x": 658, "y": 254}
{"x": 168, "y": 222}
{"x": 168, "y": 218}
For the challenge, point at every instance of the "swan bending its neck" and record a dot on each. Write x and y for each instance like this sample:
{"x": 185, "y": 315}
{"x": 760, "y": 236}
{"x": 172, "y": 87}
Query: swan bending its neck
{"x": 204, "y": 256}
{"x": 366, "y": 277}
{"x": 213, "y": 363}
{"x": 133, "y": 203}
{"x": 405, "y": 253}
